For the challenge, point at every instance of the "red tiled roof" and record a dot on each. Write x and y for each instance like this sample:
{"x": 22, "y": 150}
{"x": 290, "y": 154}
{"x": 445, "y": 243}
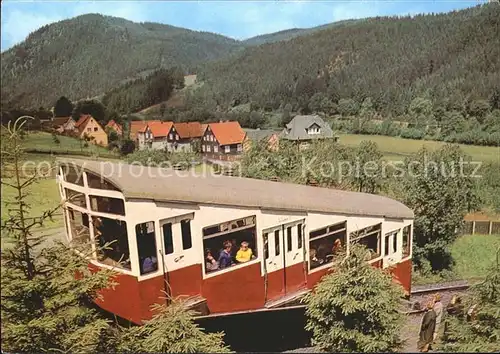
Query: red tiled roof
{"x": 188, "y": 130}
{"x": 160, "y": 129}
{"x": 114, "y": 125}
{"x": 82, "y": 122}
{"x": 228, "y": 132}
{"x": 139, "y": 126}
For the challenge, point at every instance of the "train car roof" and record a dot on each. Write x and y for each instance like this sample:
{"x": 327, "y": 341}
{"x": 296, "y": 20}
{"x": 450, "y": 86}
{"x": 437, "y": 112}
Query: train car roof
{"x": 167, "y": 185}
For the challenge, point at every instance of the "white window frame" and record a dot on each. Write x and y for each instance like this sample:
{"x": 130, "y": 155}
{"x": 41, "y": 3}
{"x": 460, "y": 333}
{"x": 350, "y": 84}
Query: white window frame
{"x": 309, "y": 239}
{"x": 171, "y": 136}
{"x": 203, "y": 148}
{"x": 227, "y": 149}
{"x": 216, "y": 148}
{"x": 240, "y": 147}
{"x": 208, "y": 148}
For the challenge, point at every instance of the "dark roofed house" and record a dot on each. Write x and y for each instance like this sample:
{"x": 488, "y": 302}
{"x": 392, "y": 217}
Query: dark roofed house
{"x": 304, "y": 129}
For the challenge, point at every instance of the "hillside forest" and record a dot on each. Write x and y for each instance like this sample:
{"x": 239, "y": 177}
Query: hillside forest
{"x": 433, "y": 76}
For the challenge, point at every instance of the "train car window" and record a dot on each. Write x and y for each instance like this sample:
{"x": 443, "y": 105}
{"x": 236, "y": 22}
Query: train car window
{"x": 167, "y": 238}
{"x": 326, "y": 243}
{"x": 107, "y": 205}
{"x": 299, "y": 236}
{"x": 229, "y": 243}
{"x": 187, "y": 243}
{"x": 94, "y": 181}
{"x": 395, "y": 242}
{"x": 370, "y": 237}
{"x": 72, "y": 174}
{"x": 406, "y": 240}
{"x": 266, "y": 245}
{"x": 76, "y": 198}
{"x": 111, "y": 242}
{"x": 146, "y": 247}
{"x": 277, "y": 243}
{"x": 289, "y": 239}
{"x": 387, "y": 243}
{"x": 80, "y": 233}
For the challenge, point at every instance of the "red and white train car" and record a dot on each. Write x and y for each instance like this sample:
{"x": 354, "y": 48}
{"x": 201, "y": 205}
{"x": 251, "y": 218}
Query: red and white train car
{"x": 162, "y": 226}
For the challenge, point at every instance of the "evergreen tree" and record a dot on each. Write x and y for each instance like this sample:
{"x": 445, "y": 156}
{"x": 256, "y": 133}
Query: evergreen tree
{"x": 171, "y": 330}
{"x": 63, "y": 107}
{"x": 44, "y": 306}
{"x": 355, "y": 307}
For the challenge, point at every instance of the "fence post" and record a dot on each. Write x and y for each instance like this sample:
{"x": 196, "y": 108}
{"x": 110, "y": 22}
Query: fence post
{"x": 473, "y": 226}
{"x": 491, "y": 228}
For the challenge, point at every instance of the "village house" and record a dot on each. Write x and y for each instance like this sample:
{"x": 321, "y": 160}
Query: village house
{"x": 115, "y": 126}
{"x": 189, "y": 133}
{"x": 223, "y": 141}
{"x": 158, "y": 135}
{"x": 88, "y": 127}
{"x": 257, "y": 135}
{"x": 63, "y": 125}
{"x": 136, "y": 126}
{"x": 304, "y": 129}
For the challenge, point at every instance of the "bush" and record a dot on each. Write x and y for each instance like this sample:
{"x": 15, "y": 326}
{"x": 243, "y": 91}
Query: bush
{"x": 355, "y": 308}
{"x": 412, "y": 133}
{"x": 148, "y": 157}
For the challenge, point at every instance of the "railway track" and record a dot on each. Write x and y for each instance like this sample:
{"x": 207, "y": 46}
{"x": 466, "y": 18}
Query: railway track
{"x": 420, "y": 294}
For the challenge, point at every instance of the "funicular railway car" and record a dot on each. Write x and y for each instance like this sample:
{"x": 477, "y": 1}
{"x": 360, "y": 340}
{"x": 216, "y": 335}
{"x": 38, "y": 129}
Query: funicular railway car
{"x": 226, "y": 244}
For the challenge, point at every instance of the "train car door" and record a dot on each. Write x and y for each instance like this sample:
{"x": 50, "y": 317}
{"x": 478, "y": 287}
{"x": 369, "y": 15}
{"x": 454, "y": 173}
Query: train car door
{"x": 294, "y": 255}
{"x": 274, "y": 276}
{"x": 181, "y": 269}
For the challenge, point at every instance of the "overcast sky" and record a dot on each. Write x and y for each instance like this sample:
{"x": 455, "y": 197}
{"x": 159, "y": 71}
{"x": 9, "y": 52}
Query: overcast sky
{"x": 237, "y": 19}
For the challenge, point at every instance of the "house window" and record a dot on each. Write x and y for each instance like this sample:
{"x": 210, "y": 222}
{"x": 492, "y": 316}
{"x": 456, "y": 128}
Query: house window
{"x": 326, "y": 243}
{"x": 171, "y": 136}
{"x": 72, "y": 174}
{"x": 96, "y": 129}
{"x": 203, "y": 148}
{"x": 168, "y": 240}
{"x": 176, "y": 137}
{"x": 111, "y": 242}
{"x": 79, "y": 228}
{"x": 75, "y": 198}
{"x": 240, "y": 148}
{"x": 146, "y": 247}
{"x": 107, "y": 205}
{"x": 406, "y": 241}
{"x": 208, "y": 148}
{"x": 89, "y": 129}
{"x": 227, "y": 149}
{"x": 216, "y": 148}
{"x": 369, "y": 237}
{"x": 97, "y": 182}
{"x": 187, "y": 242}
{"x": 229, "y": 243}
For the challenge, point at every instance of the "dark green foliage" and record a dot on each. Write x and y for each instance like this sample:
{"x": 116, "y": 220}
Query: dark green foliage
{"x": 482, "y": 332}
{"x": 395, "y": 78}
{"x": 55, "y": 139}
{"x": 171, "y": 330}
{"x": 63, "y": 107}
{"x": 127, "y": 147}
{"x": 440, "y": 188}
{"x": 44, "y": 306}
{"x": 355, "y": 307}
{"x": 93, "y": 107}
{"x": 368, "y": 175}
{"x": 412, "y": 133}
{"x": 90, "y": 54}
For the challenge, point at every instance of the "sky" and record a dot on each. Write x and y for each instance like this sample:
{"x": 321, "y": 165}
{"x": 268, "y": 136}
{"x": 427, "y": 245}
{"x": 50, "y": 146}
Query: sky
{"x": 238, "y": 19}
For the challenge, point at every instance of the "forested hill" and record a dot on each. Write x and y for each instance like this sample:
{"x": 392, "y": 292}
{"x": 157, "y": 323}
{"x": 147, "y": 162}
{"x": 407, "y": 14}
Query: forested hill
{"x": 87, "y": 55}
{"x": 446, "y": 59}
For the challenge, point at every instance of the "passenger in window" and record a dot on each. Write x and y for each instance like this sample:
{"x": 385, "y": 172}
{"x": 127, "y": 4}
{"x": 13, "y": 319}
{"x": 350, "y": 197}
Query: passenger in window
{"x": 313, "y": 259}
{"x": 244, "y": 254}
{"x": 150, "y": 264}
{"x": 225, "y": 258}
{"x": 323, "y": 251}
{"x": 337, "y": 246}
{"x": 211, "y": 263}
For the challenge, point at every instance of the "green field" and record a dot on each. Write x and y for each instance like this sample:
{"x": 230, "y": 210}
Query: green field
{"x": 473, "y": 256}
{"x": 398, "y": 148}
{"x": 42, "y": 141}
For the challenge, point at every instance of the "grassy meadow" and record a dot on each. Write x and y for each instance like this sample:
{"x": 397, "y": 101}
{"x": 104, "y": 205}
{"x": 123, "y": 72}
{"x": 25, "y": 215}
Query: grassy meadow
{"x": 395, "y": 148}
{"x": 473, "y": 256}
